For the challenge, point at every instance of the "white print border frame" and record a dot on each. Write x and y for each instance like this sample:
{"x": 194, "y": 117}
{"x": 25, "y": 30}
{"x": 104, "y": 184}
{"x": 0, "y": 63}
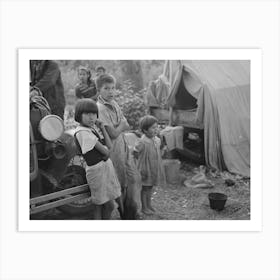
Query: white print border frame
{"x": 255, "y": 57}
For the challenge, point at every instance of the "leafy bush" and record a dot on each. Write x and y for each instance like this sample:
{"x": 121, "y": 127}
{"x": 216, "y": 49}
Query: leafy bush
{"x": 69, "y": 122}
{"x": 132, "y": 103}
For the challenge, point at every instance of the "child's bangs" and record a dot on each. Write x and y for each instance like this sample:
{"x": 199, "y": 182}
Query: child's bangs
{"x": 147, "y": 121}
{"x": 89, "y": 107}
{"x": 82, "y": 68}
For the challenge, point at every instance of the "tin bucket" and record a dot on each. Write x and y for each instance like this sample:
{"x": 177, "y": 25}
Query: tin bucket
{"x": 217, "y": 201}
{"x": 172, "y": 170}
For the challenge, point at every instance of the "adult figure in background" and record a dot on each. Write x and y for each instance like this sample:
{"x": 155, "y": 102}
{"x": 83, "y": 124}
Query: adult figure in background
{"x": 46, "y": 77}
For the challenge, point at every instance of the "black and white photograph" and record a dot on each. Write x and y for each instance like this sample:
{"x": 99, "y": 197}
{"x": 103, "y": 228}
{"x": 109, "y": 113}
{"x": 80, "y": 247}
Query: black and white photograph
{"x": 140, "y": 140}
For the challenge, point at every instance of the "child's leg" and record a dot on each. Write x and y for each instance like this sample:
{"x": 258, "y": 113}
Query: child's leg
{"x": 129, "y": 205}
{"x": 97, "y": 212}
{"x": 132, "y": 200}
{"x": 144, "y": 199}
{"x": 149, "y": 198}
{"x": 107, "y": 209}
{"x": 119, "y": 201}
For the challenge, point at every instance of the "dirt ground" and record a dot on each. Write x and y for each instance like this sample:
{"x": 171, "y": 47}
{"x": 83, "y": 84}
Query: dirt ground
{"x": 178, "y": 202}
{"x": 181, "y": 202}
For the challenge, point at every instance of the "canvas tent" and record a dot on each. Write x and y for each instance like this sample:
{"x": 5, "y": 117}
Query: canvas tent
{"x": 219, "y": 93}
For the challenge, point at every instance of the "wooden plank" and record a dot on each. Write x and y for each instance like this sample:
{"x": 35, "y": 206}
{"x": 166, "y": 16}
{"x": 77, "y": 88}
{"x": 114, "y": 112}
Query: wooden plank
{"x": 33, "y": 155}
{"x": 54, "y": 204}
{"x": 54, "y": 195}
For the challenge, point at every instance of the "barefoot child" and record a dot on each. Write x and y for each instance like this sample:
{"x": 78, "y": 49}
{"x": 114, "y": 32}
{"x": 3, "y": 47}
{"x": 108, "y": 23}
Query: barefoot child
{"x": 100, "y": 173}
{"x": 86, "y": 87}
{"x": 116, "y": 124}
{"x": 149, "y": 161}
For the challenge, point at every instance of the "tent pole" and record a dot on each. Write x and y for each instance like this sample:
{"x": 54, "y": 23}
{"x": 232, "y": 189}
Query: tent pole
{"x": 170, "y": 116}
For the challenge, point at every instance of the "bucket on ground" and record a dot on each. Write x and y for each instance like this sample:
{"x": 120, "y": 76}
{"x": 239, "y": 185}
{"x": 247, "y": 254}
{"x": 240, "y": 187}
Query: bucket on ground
{"x": 217, "y": 201}
{"x": 172, "y": 170}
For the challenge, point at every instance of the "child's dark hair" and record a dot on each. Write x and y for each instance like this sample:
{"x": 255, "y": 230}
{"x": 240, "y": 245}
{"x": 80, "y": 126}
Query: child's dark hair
{"x": 85, "y": 105}
{"x": 146, "y": 122}
{"x": 104, "y": 79}
{"x": 100, "y": 67}
{"x": 83, "y": 68}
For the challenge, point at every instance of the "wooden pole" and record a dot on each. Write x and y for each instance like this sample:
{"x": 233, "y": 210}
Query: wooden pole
{"x": 170, "y": 116}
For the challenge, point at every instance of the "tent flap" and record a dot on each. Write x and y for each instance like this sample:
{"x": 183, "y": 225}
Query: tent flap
{"x": 222, "y": 93}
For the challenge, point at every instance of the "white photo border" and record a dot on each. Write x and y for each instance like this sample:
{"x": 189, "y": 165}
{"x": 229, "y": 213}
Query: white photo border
{"x": 255, "y": 57}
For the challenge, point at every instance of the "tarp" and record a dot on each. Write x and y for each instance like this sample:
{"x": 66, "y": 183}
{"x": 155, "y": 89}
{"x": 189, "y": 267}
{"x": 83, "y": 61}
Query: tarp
{"x": 220, "y": 92}
{"x": 158, "y": 92}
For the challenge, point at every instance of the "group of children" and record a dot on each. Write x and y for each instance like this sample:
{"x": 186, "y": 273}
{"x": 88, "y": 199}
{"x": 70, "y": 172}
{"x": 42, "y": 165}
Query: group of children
{"x": 113, "y": 172}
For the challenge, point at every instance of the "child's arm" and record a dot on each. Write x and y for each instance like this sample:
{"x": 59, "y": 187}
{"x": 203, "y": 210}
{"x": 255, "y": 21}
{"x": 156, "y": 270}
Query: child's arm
{"x": 84, "y": 90}
{"x": 89, "y": 91}
{"x": 103, "y": 150}
{"x": 107, "y": 138}
{"x": 78, "y": 92}
{"x": 88, "y": 141}
{"x": 138, "y": 149}
{"x": 114, "y": 132}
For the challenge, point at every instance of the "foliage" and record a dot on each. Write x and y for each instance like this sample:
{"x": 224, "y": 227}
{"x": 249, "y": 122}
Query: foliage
{"x": 69, "y": 122}
{"x": 132, "y": 103}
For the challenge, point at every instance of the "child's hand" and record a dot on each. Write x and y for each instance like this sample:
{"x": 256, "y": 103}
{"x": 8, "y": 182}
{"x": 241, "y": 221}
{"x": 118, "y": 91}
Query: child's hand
{"x": 83, "y": 86}
{"x": 124, "y": 124}
{"x": 34, "y": 92}
{"x": 99, "y": 124}
{"x": 105, "y": 157}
